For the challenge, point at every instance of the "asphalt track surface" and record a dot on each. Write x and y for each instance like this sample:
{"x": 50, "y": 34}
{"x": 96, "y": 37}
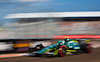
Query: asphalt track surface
{"x": 94, "y": 57}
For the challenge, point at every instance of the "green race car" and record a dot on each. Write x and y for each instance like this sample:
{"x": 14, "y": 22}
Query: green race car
{"x": 63, "y": 48}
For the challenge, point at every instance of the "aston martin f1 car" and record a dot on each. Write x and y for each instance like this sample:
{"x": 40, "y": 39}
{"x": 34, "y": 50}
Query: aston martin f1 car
{"x": 63, "y": 48}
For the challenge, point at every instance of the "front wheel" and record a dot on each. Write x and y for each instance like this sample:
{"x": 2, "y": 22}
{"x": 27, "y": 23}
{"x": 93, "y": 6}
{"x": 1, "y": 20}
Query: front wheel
{"x": 62, "y": 51}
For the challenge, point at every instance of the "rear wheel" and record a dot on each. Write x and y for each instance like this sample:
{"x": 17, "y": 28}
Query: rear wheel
{"x": 87, "y": 48}
{"x": 62, "y": 51}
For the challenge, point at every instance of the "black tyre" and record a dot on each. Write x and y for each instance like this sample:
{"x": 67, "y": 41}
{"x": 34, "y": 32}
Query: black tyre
{"x": 87, "y": 48}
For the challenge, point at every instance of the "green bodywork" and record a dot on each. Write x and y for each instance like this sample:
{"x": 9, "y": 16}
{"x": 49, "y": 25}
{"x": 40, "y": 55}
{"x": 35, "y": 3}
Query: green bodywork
{"x": 55, "y": 49}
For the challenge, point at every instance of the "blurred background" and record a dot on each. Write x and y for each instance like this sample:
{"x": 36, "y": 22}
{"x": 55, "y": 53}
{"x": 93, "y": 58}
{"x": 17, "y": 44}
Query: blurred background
{"x": 29, "y": 21}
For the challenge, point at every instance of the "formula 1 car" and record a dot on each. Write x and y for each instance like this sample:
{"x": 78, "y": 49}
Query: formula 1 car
{"x": 63, "y": 48}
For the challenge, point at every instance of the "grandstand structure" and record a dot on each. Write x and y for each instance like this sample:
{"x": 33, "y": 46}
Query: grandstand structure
{"x": 53, "y": 25}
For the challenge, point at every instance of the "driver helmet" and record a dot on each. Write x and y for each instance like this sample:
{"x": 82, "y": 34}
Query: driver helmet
{"x": 66, "y": 39}
{"x": 61, "y": 42}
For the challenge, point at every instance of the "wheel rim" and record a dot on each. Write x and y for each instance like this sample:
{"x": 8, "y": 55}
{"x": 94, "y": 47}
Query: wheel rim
{"x": 62, "y": 51}
{"x": 89, "y": 48}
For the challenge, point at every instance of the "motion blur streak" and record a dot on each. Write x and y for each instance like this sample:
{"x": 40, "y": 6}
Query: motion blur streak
{"x": 4, "y": 46}
{"x": 55, "y": 14}
{"x": 22, "y": 45}
{"x": 94, "y": 57}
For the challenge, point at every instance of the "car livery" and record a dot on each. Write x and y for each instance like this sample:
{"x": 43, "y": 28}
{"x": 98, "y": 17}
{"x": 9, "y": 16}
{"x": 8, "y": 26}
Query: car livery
{"x": 63, "y": 48}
